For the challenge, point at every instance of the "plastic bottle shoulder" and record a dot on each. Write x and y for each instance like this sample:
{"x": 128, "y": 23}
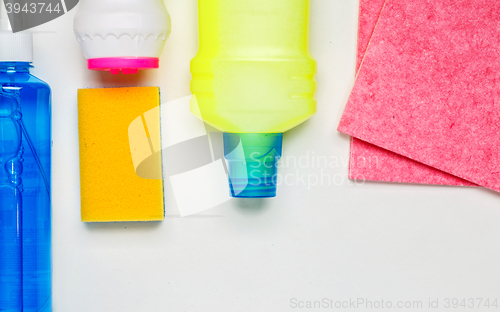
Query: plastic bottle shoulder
{"x": 23, "y": 79}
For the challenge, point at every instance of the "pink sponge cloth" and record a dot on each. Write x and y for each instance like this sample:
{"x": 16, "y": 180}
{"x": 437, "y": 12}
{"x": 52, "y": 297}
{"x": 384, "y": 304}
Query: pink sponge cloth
{"x": 429, "y": 86}
{"x": 370, "y": 162}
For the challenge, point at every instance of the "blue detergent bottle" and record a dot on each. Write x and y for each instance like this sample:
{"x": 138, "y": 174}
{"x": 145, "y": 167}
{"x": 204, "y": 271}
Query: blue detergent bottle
{"x": 25, "y": 178}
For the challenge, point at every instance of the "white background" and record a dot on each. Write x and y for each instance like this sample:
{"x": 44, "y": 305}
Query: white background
{"x": 376, "y": 241}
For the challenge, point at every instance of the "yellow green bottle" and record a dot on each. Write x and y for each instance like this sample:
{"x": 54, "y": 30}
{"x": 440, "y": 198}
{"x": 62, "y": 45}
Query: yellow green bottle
{"x": 253, "y": 79}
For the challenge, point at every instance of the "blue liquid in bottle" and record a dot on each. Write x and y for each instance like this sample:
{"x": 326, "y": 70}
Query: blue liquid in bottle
{"x": 25, "y": 189}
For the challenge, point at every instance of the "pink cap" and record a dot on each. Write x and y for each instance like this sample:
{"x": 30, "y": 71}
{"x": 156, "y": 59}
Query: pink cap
{"x": 128, "y": 65}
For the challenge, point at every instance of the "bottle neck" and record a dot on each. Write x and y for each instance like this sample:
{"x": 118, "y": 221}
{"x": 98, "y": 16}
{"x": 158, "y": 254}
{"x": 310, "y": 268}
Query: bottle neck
{"x": 15, "y": 67}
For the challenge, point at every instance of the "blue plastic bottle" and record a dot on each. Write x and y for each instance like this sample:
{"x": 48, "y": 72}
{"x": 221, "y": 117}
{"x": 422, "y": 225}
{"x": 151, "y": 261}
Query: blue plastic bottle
{"x": 25, "y": 180}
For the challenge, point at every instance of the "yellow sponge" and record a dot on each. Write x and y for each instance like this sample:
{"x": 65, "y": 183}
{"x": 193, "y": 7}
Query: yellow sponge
{"x": 112, "y": 147}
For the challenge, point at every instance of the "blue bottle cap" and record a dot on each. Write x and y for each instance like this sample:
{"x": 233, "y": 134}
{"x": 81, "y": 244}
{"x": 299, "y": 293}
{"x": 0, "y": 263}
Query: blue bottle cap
{"x": 253, "y": 163}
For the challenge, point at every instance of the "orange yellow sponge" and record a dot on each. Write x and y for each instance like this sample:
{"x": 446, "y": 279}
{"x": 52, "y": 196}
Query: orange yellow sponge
{"x": 119, "y": 132}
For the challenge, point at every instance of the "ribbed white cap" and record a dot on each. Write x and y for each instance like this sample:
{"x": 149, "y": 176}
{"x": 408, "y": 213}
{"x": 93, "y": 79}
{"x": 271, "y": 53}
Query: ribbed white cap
{"x": 122, "y": 28}
{"x": 16, "y": 47}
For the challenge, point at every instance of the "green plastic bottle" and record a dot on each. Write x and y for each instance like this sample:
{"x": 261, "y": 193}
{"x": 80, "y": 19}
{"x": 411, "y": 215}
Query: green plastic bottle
{"x": 253, "y": 78}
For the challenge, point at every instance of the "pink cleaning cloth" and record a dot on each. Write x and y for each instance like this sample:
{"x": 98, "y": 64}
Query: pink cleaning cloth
{"x": 428, "y": 87}
{"x": 369, "y": 14}
{"x": 370, "y": 162}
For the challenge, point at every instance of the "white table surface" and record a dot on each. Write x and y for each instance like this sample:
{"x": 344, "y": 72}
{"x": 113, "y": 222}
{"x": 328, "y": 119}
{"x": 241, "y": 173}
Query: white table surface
{"x": 378, "y": 241}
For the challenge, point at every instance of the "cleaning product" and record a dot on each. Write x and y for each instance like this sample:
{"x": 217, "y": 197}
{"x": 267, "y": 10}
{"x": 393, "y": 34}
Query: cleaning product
{"x": 122, "y": 35}
{"x": 253, "y": 78}
{"x": 25, "y": 177}
{"x": 120, "y": 154}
